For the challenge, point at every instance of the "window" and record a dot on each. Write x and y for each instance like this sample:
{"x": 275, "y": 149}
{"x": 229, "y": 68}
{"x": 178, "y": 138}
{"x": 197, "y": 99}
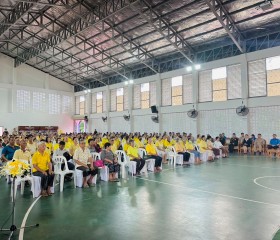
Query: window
{"x": 145, "y": 95}
{"x": 39, "y": 101}
{"x": 273, "y": 76}
{"x": 99, "y": 102}
{"x": 66, "y": 104}
{"x": 176, "y": 90}
{"x": 82, "y": 105}
{"x": 54, "y": 103}
{"x": 219, "y": 83}
{"x": 23, "y": 100}
{"x": 119, "y": 99}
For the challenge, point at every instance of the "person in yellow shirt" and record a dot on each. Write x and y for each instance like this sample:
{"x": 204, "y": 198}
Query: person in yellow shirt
{"x": 180, "y": 149}
{"x": 74, "y": 146}
{"x": 49, "y": 145}
{"x": 42, "y": 167}
{"x": 152, "y": 153}
{"x": 166, "y": 143}
{"x": 203, "y": 148}
{"x": 22, "y": 153}
{"x": 161, "y": 150}
{"x": 198, "y": 139}
{"x": 126, "y": 145}
{"x": 132, "y": 153}
{"x": 31, "y": 146}
{"x": 190, "y": 148}
{"x": 138, "y": 143}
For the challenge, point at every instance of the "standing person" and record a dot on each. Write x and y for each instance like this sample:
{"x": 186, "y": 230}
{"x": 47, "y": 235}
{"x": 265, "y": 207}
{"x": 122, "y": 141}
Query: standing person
{"x": 9, "y": 150}
{"x": 152, "y": 153}
{"x": 111, "y": 161}
{"x": 42, "y": 167}
{"x": 132, "y": 152}
{"x": 84, "y": 162}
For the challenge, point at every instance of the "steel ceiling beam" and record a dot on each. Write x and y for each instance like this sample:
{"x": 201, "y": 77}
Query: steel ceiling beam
{"x": 15, "y": 15}
{"x": 164, "y": 28}
{"x": 227, "y": 22}
{"x": 103, "y": 11}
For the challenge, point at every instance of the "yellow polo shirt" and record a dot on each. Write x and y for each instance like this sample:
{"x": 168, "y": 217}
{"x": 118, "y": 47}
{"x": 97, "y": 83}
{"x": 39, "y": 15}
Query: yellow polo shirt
{"x": 22, "y": 155}
{"x": 189, "y": 146}
{"x": 203, "y": 146}
{"x": 42, "y": 161}
{"x": 179, "y": 148}
{"x": 151, "y": 150}
{"x": 132, "y": 151}
{"x": 166, "y": 143}
{"x": 125, "y": 147}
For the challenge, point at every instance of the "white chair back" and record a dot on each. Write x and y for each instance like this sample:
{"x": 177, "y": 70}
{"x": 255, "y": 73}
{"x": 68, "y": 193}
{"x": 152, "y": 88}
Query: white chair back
{"x": 58, "y": 161}
{"x": 122, "y": 158}
{"x": 96, "y": 156}
{"x": 142, "y": 152}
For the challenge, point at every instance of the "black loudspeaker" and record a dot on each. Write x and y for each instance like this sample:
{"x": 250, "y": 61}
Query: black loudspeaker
{"x": 154, "y": 109}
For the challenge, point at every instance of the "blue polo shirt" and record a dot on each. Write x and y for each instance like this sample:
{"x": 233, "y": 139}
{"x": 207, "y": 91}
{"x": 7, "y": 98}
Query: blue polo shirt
{"x": 274, "y": 141}
{"x": 9, "y": 151}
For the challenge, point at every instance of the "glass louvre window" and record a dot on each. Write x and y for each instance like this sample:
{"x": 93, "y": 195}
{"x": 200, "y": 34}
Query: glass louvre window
{"x": 23, "y": 100}
{"x": 119, "y": 99}
{"x": 177, "y": 90}
{"x": 54, "y": 104}
{"x": 39, "y": 101}
{"x": 82, "y": 105}
{"x": 273, "y": 76}
{"x": 145, "y": 95}
{"x": 219, "y": 83}
{"x": 99, "y": 102}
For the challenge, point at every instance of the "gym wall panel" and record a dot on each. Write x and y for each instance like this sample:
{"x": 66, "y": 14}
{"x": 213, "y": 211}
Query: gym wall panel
{"x": 144, "y": 123}
{"x": 99, "y": 125}
{"x": 118, "y": 124}
{"x": 177, "y": 122}
{"x": 6, "y": 73}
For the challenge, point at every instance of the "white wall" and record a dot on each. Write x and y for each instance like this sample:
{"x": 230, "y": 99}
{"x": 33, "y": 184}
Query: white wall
{"x": 213, "y": 118}
{"x": 32, "y": 80}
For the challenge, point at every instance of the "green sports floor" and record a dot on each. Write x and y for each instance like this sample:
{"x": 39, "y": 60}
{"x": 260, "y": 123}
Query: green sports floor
{"x": 234, "y": 199}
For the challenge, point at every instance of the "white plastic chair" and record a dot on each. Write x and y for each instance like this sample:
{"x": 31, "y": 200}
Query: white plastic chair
{"x": 203, "y": 156}
{"x": 21, "y": 181}
{"x": 58, "y": 161}
{"x": 79, "y": 177}
{"x": 149, "y": 163}
{"x": 104, "y": 171}
{"x": 177, "y": 158}
{"x": 122, "y": 156}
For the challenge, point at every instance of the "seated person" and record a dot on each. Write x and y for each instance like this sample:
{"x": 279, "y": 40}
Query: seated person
{"x": 210, "y": 146}
{"x": 259, "y": 144}
{"x": 233, "y": 143}
{"x": 110, "y": 161}
{"x": 274, "y": 142}
{"x": 217, "y": 144}
{"x": 190, "y": 147}
{"x": 22, "y": 153}
{"x": 180, "y": 149}
{"x": 42, "y": 167}
{"x": 241, "y": 138}
{"x": 9, "y": 150}
{"x": 84, "y": 162}
{"x": 152, "y": 153}
{"x": 161, "y": 150}
{"x": 91, "y": 145}
{"x": 133, "y": 154}
{"x": 203, "y": 148}
{"x": 246, "y": 144}
{"x": 61, "y": 151}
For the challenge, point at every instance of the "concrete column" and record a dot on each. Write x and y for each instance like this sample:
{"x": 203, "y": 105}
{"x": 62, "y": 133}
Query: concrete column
{"x": 130, "y": 108}
{"x": 195, "y": 90}
{"x": 108, "y": 101}
{"x": 159, "y": 98}
{"x": 245, "y": 89}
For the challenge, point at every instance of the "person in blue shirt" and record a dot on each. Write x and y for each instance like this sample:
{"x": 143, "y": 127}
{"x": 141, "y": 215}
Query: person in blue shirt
{"x": 274, "y": 142}
{"x": 9, "y": 150}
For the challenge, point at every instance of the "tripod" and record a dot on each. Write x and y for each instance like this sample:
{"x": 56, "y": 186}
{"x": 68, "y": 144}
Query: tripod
{"x": 13, "y": 227}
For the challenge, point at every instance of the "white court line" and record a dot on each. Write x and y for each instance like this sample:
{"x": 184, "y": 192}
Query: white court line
{"x": 255, "y": 181}
{"x": 213, "y": 193}
{"x": 21, "y": 231}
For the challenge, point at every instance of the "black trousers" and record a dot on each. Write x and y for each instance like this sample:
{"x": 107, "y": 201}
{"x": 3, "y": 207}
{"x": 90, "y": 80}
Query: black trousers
{"x": 87, "y": 171}
{"x": 70, "y": 165}
{"x": 46, "y": 180}
{"x": 158, "y": 159}
{"x": 272, "y": 147}
{"x": 186, "y": 156}
{"x": 140, "y": 163}
{"x": 231, "y": 147}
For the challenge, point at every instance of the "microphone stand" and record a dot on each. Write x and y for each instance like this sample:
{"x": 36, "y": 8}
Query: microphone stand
{"x": 13, "y": 228}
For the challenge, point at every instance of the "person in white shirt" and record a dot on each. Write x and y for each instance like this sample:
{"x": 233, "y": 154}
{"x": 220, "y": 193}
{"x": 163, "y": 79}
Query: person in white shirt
{"x": 84, "y": 162}
{"x": 219, "y": 145}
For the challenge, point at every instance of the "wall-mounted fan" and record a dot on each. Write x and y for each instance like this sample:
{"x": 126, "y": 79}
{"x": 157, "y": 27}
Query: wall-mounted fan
{"x": 104, "y": 119}
{"x": 242, "y": 110}
{"x": 192, "y": 113}
{"x": 126, "y": 117}
{"x": 155, "y": 119}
